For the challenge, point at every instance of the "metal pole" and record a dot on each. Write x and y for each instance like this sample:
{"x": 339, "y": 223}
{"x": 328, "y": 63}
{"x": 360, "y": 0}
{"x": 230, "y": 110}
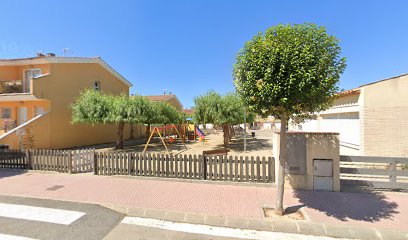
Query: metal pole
{"x": 244, "y": 131}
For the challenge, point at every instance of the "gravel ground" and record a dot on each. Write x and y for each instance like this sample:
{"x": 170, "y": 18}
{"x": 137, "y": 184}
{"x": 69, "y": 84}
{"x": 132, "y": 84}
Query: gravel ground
{"x": 261, "y": 145}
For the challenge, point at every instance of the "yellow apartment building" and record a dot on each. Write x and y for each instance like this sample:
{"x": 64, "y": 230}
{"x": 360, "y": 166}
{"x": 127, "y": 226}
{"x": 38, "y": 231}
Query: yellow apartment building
{"x": 36, "y": 95}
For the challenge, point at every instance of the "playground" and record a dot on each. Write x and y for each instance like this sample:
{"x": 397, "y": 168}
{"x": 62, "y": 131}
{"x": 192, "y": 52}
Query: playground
{"x": 159, "y": 142}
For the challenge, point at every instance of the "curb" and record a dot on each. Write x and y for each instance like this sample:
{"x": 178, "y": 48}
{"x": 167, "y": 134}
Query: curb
{"x": 286, "y": 226}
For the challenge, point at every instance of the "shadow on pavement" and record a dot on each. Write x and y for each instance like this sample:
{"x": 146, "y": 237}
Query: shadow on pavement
{"x": 4, "y": 172}
{"x": 368, "y": 207}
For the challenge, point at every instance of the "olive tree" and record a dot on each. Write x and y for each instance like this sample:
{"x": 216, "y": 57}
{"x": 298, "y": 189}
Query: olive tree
{"x": 290, "y": 72}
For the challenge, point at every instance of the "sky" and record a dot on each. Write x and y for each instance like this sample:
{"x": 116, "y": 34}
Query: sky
{"x": 189, "y": 46}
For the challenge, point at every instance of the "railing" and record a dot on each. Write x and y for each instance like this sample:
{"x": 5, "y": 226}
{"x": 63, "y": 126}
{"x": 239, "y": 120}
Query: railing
{"x": 11, "y": 86}
{"x": 374, "y": 172}
{"x": 8, "y": 126}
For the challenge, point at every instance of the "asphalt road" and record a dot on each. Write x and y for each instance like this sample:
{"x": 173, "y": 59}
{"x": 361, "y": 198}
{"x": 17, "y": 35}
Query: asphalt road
{"x": 94, "y": 223}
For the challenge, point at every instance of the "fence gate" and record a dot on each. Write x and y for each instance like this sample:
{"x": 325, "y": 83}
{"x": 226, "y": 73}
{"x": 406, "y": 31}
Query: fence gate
{"x": 82, "y": 160}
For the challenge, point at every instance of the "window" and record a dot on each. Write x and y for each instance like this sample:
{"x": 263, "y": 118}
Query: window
{"x": 38, "y": 111}
{"x": 5, "y": 112}
{"x": 97, "y": 86}
{"x": 28, "y": 75}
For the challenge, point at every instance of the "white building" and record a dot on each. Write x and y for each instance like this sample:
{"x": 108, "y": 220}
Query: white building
{"x": 372, "y": 119}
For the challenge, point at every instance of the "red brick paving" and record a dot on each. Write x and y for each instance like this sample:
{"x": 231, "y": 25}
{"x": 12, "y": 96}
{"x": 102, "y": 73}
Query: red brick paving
{"x": 383, "y": 210}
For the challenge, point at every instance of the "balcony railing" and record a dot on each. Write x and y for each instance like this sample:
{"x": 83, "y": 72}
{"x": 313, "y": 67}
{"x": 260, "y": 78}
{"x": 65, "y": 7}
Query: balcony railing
{"x": 12, "y": 86}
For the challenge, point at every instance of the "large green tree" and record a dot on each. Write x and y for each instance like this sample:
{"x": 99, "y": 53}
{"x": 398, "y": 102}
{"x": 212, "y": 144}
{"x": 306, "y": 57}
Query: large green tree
{"x": 290, "y": 72}
{"x": 98, "y": 108}
{"x": 224, "y": 111}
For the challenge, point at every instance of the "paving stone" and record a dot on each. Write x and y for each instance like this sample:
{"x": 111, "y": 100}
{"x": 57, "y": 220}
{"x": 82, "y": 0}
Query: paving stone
{"x": 136, "y": 212}
{"x": 364, "y": 233}
{"x": 285, "y": 226}
{"x": 261, "y": 225}
{"x": 237, "y": 222}
{"x": 338, "y": 231}
{"x": 175, "y": 216}
{"x": 195, "y": 218}
{"x": 394, "y": 235}
{"x": 215, "y": 221}
{"x": 155, "y": 213}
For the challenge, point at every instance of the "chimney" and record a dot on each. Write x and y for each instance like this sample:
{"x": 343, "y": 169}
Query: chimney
{"x": 40, "y": 54}
{"x": 50, "y": 54}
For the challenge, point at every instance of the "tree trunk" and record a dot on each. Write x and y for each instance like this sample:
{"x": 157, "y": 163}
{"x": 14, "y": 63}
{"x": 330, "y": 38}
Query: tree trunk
{"x": 132, "y": 130}
{"x": 225, "y": 130}
{"x": 281, "y": 173}
{"x": 119, "y": 142}
{"x": 148, "y": 130}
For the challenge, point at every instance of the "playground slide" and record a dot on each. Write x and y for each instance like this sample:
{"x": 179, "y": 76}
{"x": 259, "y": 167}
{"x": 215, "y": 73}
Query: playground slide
{"x": 200, "y": 133}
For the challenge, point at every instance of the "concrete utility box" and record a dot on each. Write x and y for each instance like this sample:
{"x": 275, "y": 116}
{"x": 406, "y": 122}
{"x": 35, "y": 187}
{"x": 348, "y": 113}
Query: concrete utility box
{"x": 312, "y": 160}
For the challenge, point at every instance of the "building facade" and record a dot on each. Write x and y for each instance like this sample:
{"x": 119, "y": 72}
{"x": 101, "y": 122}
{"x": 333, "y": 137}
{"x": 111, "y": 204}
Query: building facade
{"x": 170, "y": 99}
{"x": 36, "y": 95}
{"x": 372, "y": 119}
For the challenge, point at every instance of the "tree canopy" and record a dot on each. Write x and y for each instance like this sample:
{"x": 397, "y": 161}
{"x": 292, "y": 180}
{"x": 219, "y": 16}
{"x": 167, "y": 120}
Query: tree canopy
{"x": 222, "y": 110}
{"x": 217, "y": 109}
{"x": 163, "y": 113}
{"x": 290, "y": 70}
{"x": 95, "y": 107}
{"x": 91, "y": 107}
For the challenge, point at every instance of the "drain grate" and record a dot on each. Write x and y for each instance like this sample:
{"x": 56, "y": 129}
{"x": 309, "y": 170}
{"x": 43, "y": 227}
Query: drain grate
{"x": 55, "y": 188}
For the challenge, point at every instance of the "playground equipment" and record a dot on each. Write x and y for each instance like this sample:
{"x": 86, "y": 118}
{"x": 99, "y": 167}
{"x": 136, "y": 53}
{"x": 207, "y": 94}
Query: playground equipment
{"x": 164, "y": 129}
{"x": 200, "y": 133}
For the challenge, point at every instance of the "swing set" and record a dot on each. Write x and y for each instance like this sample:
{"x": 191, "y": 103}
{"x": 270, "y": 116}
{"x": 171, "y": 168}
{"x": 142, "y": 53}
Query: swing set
{"x": 164, "y": 129}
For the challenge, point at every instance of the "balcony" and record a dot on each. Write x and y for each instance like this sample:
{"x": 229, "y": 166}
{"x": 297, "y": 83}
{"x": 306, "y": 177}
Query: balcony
{"x": 12, "y": 86}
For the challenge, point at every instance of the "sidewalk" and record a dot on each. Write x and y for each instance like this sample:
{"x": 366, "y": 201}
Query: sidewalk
{"x": 225, "y": 200}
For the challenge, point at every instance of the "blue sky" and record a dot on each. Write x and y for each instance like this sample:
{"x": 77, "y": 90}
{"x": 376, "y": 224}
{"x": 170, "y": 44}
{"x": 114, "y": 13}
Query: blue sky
{"x": 189, "y": 47}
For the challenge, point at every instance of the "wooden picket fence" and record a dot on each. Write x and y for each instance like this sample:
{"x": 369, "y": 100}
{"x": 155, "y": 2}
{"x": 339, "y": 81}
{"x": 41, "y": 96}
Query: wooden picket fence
{"x": 219, "y": 168}
{"x": 13, "y": 159}
{"x": 203, "y": 167}
{"x": 65, "y": 161}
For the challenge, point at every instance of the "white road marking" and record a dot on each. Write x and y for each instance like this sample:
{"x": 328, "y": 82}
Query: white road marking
{"x": 219, "y": 231}
{"x": 12, "y": 237}
{"x": 41, "y": 214}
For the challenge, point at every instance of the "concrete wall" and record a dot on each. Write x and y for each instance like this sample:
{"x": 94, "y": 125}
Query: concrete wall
{"x": 318, "y": 146}
{"x": 62, "y": 87}
{"x": 8, "y": 73}
{"x": 37, "y": 131}
{"x": 30, "y": 105}
{"x": 385, "y": 118}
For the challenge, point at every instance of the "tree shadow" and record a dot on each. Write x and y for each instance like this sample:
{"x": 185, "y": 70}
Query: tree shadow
{"x": 4, "y": 172}
{"x": 368, "y": 206}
